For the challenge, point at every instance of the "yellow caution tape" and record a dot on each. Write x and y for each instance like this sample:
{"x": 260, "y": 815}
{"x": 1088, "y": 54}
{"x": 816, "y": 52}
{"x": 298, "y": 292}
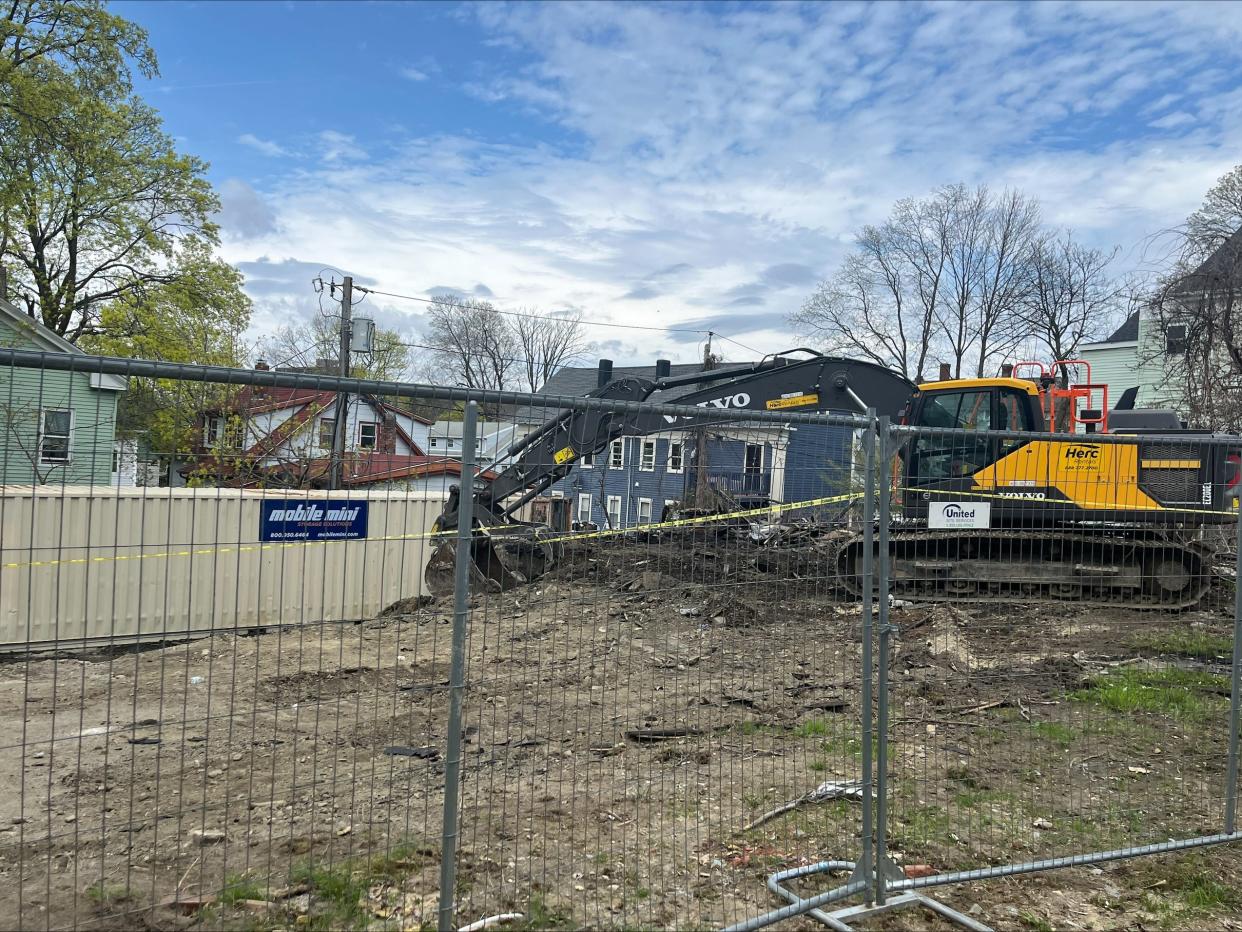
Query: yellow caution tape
{"x": 767, "y": 510}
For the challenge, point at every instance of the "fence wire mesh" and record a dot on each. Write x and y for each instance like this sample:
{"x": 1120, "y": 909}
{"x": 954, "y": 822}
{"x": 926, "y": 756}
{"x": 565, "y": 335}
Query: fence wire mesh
{"x": 229, "y": 690}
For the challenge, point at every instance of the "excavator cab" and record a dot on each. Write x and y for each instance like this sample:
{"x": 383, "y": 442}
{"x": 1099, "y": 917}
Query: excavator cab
{"x": 1165, "y": 476}
{"x": 974, "y": 408}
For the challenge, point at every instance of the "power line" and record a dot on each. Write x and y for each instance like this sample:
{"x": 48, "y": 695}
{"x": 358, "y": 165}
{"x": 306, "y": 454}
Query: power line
{"x": 527, "y": 314}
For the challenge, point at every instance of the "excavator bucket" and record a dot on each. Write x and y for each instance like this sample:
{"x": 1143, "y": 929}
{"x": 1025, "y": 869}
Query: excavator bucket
{"x": 498, "y": 562}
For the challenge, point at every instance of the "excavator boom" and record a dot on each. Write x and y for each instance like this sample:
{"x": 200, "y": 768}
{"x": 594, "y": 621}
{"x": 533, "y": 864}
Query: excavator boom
{"x": 511, "y": 552}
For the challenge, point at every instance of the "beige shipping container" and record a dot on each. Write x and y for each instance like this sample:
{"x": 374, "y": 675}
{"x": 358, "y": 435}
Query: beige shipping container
{"x": 92, "y": 564}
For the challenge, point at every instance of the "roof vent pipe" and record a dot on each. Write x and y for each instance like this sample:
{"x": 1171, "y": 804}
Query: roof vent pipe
{"x": 605, "y": 373}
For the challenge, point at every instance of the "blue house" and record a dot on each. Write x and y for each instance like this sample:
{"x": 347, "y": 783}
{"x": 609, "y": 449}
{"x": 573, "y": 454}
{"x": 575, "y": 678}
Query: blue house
{"x": 752, "y": 463}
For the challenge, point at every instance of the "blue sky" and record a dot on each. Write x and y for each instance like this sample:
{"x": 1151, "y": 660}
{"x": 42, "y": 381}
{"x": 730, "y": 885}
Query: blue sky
{"x": 674, "y": 165}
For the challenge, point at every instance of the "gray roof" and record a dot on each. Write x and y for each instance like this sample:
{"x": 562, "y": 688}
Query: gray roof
{"x": 1223, "y": 266}
{"x": 1126, "y": 332}
{"x": 581, "y": 380}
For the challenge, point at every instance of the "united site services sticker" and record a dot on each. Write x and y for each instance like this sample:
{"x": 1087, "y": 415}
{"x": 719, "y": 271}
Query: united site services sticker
{"x": 959, "y": 515}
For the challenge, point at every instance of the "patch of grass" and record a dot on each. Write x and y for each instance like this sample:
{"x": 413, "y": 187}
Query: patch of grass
{"x": 1180, "y": 694}
{"x": 813, "y": 728}
{"x": 1186, "y": 642}
{"x": 106, "y": 894}
{"x": 818, "y": 766}
{"x": 1037, "y": 923}
{"x": 1207, "y": 893}
{"x": 539, "y": 915}
{"x": 238, "y": 887}
{"x": 1054, "y": 732}
{"x": 971, "y": 799}
{"x": 337, "y": 892}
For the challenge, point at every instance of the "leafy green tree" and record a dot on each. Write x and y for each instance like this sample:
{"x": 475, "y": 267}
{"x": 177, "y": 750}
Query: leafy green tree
{"x": 96, "y": 204}
{"x": 198, "y": 317}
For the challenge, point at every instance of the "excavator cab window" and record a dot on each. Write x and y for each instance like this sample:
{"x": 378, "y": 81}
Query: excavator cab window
{"x": 940, "y": 456}
{"x": 972, "y": 411}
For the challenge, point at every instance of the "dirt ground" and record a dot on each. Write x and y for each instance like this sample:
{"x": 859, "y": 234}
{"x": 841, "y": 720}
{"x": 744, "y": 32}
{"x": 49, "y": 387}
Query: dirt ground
{"x": 631, "y": 724}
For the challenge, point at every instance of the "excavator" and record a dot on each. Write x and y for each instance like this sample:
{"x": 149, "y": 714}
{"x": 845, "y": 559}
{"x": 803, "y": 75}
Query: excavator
{"x": 1114, "y": 507}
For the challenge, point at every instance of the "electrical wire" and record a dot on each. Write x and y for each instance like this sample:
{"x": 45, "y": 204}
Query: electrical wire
{"x": 527, "y": 314}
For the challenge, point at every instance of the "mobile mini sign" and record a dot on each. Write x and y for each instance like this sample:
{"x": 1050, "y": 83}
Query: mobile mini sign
{"x": 959, "y": 515}
{"x": 299, "y": 519}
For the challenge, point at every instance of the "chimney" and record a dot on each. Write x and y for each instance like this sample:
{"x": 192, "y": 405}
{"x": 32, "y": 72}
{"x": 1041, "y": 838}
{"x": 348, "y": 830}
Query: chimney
{"x": 945, "y": 374}
{"x": 1007, "y": 370}
{"x": 605, "y": 373}
{"x": 663, "y": 368}
{"x": 262, "y": 366}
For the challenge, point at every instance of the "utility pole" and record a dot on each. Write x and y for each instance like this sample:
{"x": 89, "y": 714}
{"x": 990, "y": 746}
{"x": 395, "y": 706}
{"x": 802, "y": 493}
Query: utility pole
{"x": 336, "y": 474}
{"x": 702, "y": 499}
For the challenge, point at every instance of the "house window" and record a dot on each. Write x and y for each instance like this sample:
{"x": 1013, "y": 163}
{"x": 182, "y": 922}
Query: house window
{"x": 327, "y": 427}
{"x": 367, "y": 433}
{"x": 213, "y": 430}
{"x": 754, "y": 459}
{"x": 435, "y": 441}
{"x": 614, "y": 510}
{"x": 616, "y": 454}
{"x": 584, "y": 508}
{"x": 644, "y": 511}
{"x": 55, "y": 435}
{"x": 116, "y": 459}
{"x": 646, "y": 459}
{"x": 587, "y": 461}
{"x": 676, "y": 455}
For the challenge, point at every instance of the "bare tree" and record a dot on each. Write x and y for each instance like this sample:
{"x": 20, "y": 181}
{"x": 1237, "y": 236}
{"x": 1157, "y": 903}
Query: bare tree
{"x": 943, "y": 276}
{"x": 880, "y": 303}
{"x": 546, "y": 344}
{"x": 305, "y": 344}
{"x": 1069, "y": 296}
{"x": 473, "y": 343}
{"x": 1011, "y": 233}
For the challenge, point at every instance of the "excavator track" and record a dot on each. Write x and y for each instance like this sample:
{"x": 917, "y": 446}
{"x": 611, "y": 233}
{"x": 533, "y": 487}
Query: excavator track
{"x": 1138, "y": 569}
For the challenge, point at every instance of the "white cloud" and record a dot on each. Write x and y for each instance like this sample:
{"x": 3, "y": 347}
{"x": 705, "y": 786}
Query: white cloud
{"x": 335, "y": 146}
{"x": 265, "y": 146}
{"x": 742, "y": 149}
{"x": 414, "y": 74}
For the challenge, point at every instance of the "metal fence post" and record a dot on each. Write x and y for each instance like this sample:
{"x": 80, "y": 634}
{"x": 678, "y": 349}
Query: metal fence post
{"x": 866, "y": 863}
{"x": 1235, "y": 694}
{"x": 881, "y": 803}
{"x": 457, "y": 676}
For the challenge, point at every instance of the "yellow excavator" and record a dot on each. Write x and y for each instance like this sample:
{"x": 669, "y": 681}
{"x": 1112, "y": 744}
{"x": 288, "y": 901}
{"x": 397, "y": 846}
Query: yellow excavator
{"x": 1113, "y": 508}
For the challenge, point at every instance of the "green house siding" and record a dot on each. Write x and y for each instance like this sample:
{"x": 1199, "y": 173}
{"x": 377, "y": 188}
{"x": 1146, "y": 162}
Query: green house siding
{"x": 25, "y": 394}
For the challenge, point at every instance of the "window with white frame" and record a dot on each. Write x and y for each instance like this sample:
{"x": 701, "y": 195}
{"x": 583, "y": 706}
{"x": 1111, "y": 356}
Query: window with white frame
{"x": 327, "y": 428}
{"x": 213, "y": 430}
{"x": 616, "y": 454}
{"x": 434, "y": 441}
{"x": 584, "y": 508}
{"x": 368, "y": 434}
{"x": 587, "y": 461}
{"x": 646, "y": 459}
{"x": 676, "y": 455}
{"x": 614, "y": 511}
{"x": 55, "y": 435}
{"x": 644, "y": 511}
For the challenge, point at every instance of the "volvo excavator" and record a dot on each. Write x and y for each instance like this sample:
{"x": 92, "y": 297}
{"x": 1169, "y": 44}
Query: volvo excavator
{"x": 1114, "y": 507}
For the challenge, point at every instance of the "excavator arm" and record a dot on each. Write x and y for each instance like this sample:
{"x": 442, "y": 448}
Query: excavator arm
{"x": 777, "y": 383}
{"x": 546, "y": 455}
